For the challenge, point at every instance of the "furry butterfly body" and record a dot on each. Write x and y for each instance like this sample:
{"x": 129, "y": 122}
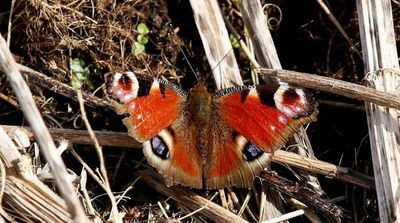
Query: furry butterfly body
{"x": 205, "y": 140}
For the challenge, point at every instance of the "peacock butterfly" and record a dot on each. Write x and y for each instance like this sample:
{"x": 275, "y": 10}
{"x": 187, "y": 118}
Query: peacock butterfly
{"x": 205, "y": 140}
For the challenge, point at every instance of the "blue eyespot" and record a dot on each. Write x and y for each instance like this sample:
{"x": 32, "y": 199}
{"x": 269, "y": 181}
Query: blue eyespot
{"x": 251, "y": 152}
{"x": 159, "y": 147}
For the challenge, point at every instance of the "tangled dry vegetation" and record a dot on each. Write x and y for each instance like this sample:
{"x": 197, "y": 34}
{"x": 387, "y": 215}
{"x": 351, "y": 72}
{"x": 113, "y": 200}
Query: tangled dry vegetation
{"x": 48, "y": 35}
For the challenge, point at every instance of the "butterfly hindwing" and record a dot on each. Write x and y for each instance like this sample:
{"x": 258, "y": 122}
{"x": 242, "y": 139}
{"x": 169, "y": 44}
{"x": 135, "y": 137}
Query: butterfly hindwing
{"x": 227, "y": 164}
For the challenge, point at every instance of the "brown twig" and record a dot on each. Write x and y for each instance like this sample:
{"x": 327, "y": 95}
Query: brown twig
{"x": 323, "y": 168}
{"x": 106, "y": 138}
{"x": 303, "y": 193}
{"x": 334, "y": 86}
{"x": 38, "y": 79}
{"x": 9, "y": 100}
{"x": 189, "y": 199}
{"x": 336, "y": 23}
{"x": 47, "y": 146}
{"x": 115, "y": 216}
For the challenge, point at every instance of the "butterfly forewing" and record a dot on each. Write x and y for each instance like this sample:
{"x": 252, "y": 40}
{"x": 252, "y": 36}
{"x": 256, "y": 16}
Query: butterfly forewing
{"x": 151, "y": 104}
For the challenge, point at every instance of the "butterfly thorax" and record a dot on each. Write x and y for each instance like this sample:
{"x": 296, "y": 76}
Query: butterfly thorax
{"x": 199, "y": 103}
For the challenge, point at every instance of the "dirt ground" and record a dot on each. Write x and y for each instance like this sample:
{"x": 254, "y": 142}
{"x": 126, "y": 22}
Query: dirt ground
{"x": 46, "y": 35}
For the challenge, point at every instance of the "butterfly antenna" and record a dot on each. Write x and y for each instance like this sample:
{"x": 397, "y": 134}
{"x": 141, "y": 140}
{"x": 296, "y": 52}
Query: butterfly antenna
{"x": 188, "y": 62}
{"x": 221, "y": 59}
{"x": 184, "y": 54}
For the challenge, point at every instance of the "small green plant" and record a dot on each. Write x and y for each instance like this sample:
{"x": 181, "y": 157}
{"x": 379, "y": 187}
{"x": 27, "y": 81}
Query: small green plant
{"x": 80, "y": 74}
{"x": 235, "y": 43}
{"x": 139, "y": 45}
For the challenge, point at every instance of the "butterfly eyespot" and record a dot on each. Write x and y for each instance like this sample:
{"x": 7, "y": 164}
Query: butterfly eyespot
{"x": 125, "y": 82}
{"x": 251, "y": 152}
{"x": 122, "y": 87}
{"x": 159, "y": 147}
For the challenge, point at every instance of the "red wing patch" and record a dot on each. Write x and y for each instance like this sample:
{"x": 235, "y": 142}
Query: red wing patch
{"x": 266, "y": 126}
{"x": 183, "y": 165}
{"x": 150, "y": 112}
{"x": 226, "y": 159}
{"x": 226, "y": 164}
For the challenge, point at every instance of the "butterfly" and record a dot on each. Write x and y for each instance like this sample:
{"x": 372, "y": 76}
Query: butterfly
{"x": 205, "y": 140}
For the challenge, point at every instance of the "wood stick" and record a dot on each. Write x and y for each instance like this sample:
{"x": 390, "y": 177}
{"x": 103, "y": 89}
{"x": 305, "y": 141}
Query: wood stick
{"x": 303, "y": 193}
{"x": 339, "y": 87}
{"x": 32, "y": 114}
{"x": 216, "y": 43}
{"x": 380, "y": 57}
{"x": 106, "y": 138}
{"x": 189, "y": 199}
{"x": 324, "y": 168}
{"x": 38, "y": 79}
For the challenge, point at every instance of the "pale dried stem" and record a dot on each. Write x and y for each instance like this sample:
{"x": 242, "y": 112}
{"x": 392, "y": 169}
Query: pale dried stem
{"x": 47, "y": 146}
{"x": 3, "y": 185}
{"x": 256, "y": 23}
{"x": 218, "y": 48}
{"x": 20, "y": 185}
{"x": 381, "y": 65}
{"x": 334, "y": 86}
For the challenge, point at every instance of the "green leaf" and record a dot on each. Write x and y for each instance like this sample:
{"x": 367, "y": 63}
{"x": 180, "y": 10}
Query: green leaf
{"x": 76, "y": 83}
{"x": 235, "y": 43}
{"x": 80, "y": 73}
{"x": 142, "y": 39}
{"x": 138, "y": 48}
{"x": 142, "y": 28}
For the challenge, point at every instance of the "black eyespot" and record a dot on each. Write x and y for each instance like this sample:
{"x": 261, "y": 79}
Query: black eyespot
{"x": 251, "y": 152}
{"x": 159, "y": 147}
{"x": 125, "y": 82}
{"x": 162, "y": 89}
{"x": 144, "y": 87}
{"x": 244, "y": 95}
{"x": 266, "y": 95}
{"x": 291, "y": 94}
